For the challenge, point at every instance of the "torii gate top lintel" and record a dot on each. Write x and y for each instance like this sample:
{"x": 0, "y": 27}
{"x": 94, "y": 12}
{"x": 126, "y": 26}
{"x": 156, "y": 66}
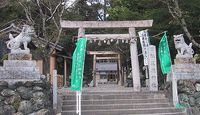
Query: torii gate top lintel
{"x": 102, "y": 53}
{"x": 106, "y": 24}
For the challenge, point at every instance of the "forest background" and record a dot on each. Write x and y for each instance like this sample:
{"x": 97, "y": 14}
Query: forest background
{"x": 173, "y": 16}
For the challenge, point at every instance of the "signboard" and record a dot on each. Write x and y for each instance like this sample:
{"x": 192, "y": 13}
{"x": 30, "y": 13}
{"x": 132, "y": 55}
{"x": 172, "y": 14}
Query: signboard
{"x": 153, "y": 78}
{"x": 144, "y": 41}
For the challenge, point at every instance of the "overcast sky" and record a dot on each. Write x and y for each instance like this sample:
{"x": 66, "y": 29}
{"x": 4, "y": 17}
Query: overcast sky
{"x": 69, "y": 3}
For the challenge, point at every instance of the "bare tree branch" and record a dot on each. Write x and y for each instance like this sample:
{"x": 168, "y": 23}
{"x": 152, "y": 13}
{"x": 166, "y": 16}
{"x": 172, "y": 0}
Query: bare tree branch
{"x": 52, "y": 17}
{"x": 59, "y": 27}
{"x": 49, "y": 12}
{"x": 28, "y": 14}
{"x": 3, "y": 3}
{"x": 177, "y": 14}
{"x": 43, "y": 18}
{"x": 52, "y": 13}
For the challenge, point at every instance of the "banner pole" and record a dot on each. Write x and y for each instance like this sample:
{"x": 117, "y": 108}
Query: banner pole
{"x": 147, "y": 75}
{"x": 79, "y": 102}
{"x": 77, "y": 110}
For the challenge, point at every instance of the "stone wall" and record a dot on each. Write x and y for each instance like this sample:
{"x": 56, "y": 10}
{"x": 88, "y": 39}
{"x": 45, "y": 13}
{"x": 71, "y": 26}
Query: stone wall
{"x": 189, "y": 95}
{"x": 25, "y": 98}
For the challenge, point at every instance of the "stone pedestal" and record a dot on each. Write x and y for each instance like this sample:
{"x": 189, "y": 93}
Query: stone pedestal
{"x": 19, "y": 70}
{"x": 19, "y": 67}
{"x": 19, "y": 56}
{"x": 184, "y": 61}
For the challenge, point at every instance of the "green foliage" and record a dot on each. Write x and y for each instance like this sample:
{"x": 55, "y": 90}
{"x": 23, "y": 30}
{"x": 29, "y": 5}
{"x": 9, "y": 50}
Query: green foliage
{"x": 118, "y": 10}
{"x": 197, "y": 58}
{"x": 191, "y": 12}
{"x": 11, "y": 12}
{"x": 5, "y": 57}
{"x": 16, "y": 104}
{"x": 122, "y": 13}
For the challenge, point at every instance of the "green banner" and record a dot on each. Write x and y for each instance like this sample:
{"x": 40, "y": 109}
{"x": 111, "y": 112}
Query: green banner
{"x": 78, "y": 59}
{"x": 164, "y": 55}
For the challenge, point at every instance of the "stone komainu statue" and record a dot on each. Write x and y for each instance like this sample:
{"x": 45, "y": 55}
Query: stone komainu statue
{"x": 23, "y": 38}
{"x": 184, "y": 50}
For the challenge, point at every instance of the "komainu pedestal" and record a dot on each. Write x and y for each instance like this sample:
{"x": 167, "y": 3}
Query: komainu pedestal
{"x": 184, "y": 61}
{"x": 19, "y": 70}
{"x": 19, "y": 56}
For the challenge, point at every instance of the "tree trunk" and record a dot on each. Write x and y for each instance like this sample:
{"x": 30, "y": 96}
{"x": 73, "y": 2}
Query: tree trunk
{"x": 184, "y": 25}
{"x": 46, "y": 65}
{"x": 176, "y": 13}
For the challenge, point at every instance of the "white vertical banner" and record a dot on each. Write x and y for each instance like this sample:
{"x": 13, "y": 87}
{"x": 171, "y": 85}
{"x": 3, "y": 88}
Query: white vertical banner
{"x": 152, "y": 63}
{"x": 144, "y": 41}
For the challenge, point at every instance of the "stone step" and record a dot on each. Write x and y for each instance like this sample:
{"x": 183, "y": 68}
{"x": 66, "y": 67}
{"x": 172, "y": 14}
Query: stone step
{"x": 114, "y": 96}
{"x": 116, "y": 101}
{"x": 174, "y": 113}
{"x": 152, "y": 111}
{"x": 118, "y": 106}
{"x": 112, "y": 92}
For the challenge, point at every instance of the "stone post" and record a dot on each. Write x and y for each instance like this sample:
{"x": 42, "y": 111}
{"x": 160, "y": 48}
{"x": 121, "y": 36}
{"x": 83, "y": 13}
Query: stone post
{"x": 55, "y": 90}
{"x": 65, "y": 71}
{"x": 174, "y": 91}
{"x": 153, "y": 77}
{"x": 119, "y": 69}
{"x": 134, "y": 60}
{"x": 124, "y": 75}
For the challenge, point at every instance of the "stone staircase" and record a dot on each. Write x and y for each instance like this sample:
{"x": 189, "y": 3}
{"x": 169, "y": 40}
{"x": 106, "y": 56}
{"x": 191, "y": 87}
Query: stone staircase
{"x": 120, "y": 102}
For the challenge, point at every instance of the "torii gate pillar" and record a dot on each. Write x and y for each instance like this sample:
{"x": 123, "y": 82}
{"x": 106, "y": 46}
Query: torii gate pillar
{"x": 134, "y": 60}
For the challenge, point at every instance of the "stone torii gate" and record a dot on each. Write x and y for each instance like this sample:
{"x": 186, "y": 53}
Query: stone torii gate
{"x": 131, "y": 25}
